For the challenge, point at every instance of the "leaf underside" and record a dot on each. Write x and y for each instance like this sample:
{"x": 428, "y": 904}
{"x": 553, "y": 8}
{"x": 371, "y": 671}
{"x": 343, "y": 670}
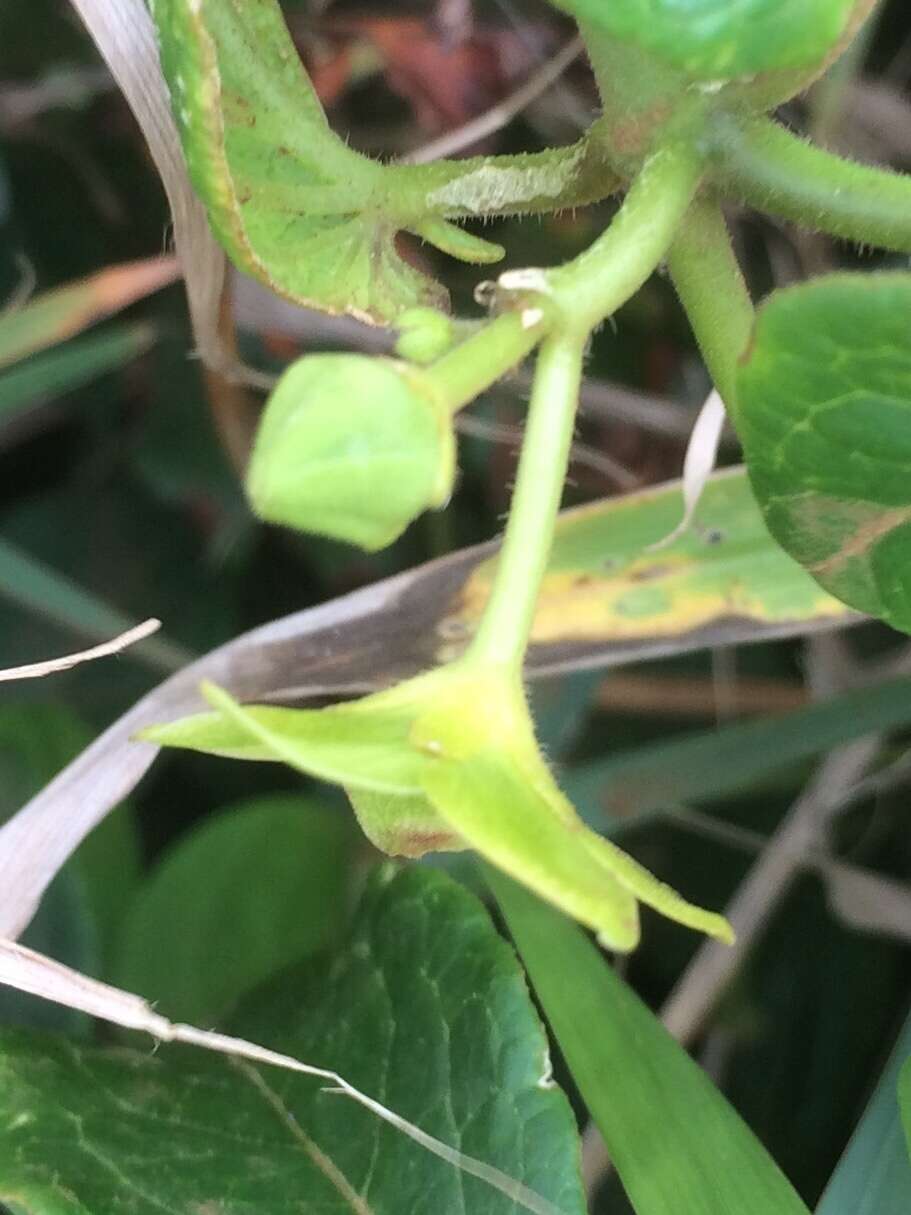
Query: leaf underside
{"x": 292, "y": 204}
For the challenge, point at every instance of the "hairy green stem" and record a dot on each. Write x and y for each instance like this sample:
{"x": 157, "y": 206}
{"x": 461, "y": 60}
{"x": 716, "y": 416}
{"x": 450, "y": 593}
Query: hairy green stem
{"x": 577, "y": 297}
{"x": 503, "y": 634}
{"x": 471, "y": 367}
{"x": 528, "y": 183}
{"x": 761, "y": 163}
{"x": 711, "y": 287}
{"x": 598, "y": 282}
{"x": 573, "y": 300}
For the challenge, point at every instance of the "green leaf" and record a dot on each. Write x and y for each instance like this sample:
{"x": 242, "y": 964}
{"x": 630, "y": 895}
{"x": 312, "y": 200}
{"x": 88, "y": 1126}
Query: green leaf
{"x": 531, "y": 831}
{"x": 904, "y": 1101}
{"x": 874, "y": 1175}
{"x": 488, "y": 781}
{"x": 261, "y": 886}
{"x": 349, "y": 447}
{"x": 674, "y": 1140}
{"x": 364, "y": 744}
{"x": 291, "y": 203}
{"x": 824, "y": 413}
{"x": 62, "y": 928}
{"x": 36, "y": 741}
{"x": 426, "y": 1010}
{"x": 459, "y": 744}
{"x": 294, "y": 206}
{"x": 724, "y": 39}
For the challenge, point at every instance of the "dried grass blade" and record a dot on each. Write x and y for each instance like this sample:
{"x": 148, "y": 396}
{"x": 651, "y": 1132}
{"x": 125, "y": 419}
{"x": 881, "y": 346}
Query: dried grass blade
{"x": 50, "y": 666}
{"x": 57, "y": 315}
{"x": 123, "y": 32}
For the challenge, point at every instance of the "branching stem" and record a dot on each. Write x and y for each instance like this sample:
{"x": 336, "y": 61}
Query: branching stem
{"x": 506, "y": 625}
{"x": 594, "y": 285}
{"x": 574, "y": 299}
{"x": 766, "y": 166}
{"x": 471, "y": 367}
{"x": 711, "y": 287}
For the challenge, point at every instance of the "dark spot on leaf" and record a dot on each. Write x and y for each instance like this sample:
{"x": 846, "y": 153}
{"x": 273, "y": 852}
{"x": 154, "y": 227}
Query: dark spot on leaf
{"x": 650, "y": 574}
{"x": 714, "y": 536}
{"x": 454, "y": 629}
{"x": 419, "y": 843}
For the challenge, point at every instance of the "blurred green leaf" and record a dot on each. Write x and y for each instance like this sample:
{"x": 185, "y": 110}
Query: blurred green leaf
{"x": 37, "y": 741}
{"x": 721, "y": 39}
{"x": 77, "y": 363}
{"x": 674, "y": 1140}
{"x": 63, "y": 929}
{"x": 426, "y": 1009}
{"x": 259, "y": 887}
{"x": 560, "y": 708}
{"x": 874, "y": 1175}
{"x": 176, "y": 451}
{"x": 824, "y": 414}
{"x": 707, "y": 764}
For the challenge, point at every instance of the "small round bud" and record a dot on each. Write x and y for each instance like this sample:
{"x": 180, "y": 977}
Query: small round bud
{"x": 350, "y": 448}
{"x": 424, "y": 335}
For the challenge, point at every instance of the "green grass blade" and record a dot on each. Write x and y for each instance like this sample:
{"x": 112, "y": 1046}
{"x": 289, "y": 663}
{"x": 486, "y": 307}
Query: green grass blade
{"x": 676, "y": 1143}
{"x": 35, "y": 586}
{"x": 874, "y": 1175}
{"x": 707, "y": 764}
{"x": 71, "y": 366}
